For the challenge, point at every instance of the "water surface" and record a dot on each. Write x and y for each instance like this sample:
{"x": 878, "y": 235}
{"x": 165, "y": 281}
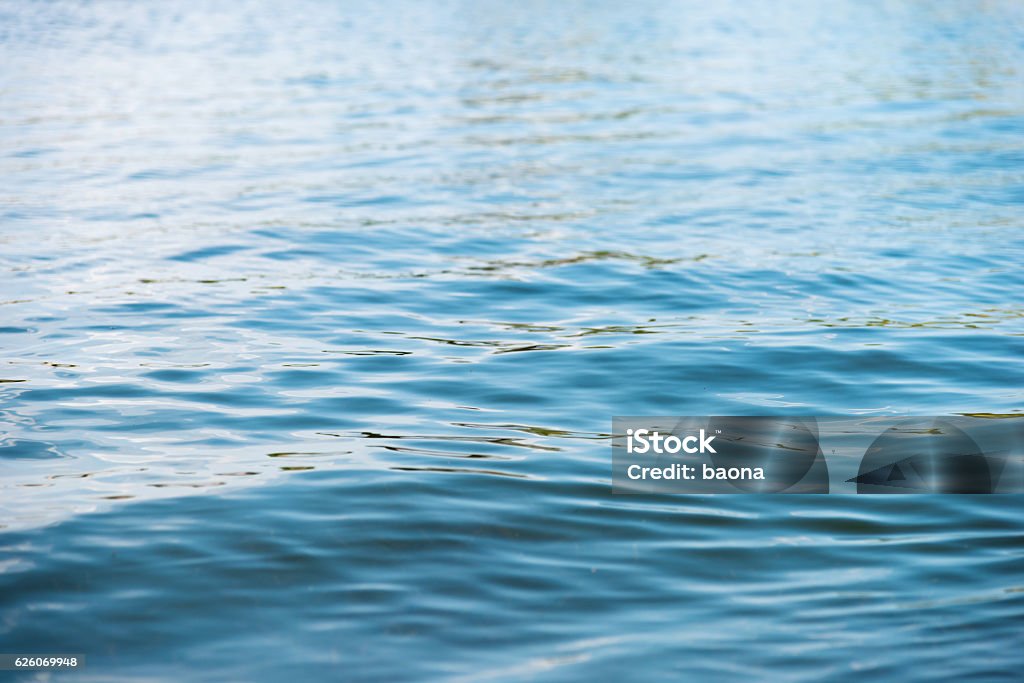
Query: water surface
{"x": 314, "y": 319}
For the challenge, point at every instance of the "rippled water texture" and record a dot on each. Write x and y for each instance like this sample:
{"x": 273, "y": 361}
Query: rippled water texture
{"x": 314, "y": 318}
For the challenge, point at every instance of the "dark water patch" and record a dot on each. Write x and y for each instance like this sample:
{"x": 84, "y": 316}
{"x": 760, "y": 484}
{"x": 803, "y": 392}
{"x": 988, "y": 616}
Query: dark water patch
{"x": 209, "y": 252}
{"x": 30, "y": 449}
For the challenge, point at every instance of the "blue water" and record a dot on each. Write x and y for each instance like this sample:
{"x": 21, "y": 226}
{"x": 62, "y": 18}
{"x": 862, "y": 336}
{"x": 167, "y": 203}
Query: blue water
{"x": 314, "y": 317}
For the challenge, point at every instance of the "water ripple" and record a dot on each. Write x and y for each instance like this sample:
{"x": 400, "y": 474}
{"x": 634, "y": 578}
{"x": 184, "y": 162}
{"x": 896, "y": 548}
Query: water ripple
{"x": 322, "y": 316}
